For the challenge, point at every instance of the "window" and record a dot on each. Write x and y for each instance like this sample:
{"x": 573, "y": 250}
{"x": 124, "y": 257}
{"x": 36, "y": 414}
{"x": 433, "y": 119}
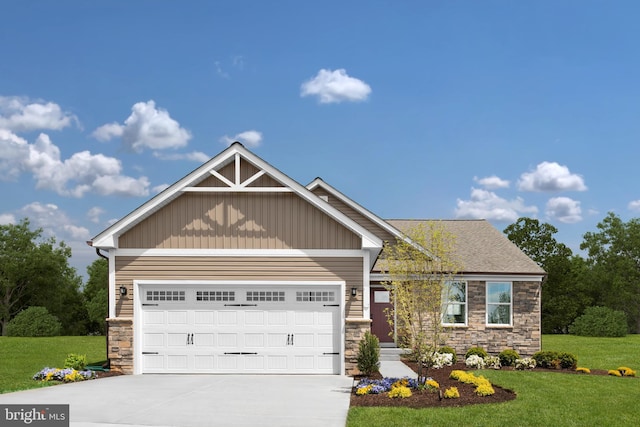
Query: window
{"x": 165, "y": 295}
{"x": 316, "y": 296}
{"x": 215, "y": 296}
{"x": 265, "y": 296}
{"x": 498, "y": 303}
{"x": 454, "y": 303}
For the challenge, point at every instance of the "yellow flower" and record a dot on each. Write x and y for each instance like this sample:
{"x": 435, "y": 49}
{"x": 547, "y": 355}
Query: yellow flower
{"x": 364, "y": 390}
{"x": 583, "y": 370}
{"x": 451, "y": 393}
{"x": 400, "y": 391}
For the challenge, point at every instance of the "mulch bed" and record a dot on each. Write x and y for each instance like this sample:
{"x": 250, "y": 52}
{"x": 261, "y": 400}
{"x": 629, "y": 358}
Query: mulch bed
{"x": 424, "y": 398}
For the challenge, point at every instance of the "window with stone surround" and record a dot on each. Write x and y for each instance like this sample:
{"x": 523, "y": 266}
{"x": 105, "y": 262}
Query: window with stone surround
{"x": 499, "y": 304}
{"x": 454, "y": 303}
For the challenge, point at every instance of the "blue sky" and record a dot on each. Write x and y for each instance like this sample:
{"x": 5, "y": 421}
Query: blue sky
{"x": 414, "y": 109}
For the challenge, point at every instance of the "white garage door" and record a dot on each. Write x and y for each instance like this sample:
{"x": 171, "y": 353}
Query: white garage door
{"x": 232, "y": 329}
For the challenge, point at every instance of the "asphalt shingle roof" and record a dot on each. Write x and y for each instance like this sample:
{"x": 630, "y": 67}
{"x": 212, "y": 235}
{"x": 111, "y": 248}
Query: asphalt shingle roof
{"x": 480, "y": 247}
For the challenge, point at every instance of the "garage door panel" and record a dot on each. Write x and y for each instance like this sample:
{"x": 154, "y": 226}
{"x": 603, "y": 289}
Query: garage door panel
{"x": 273, "y": 333}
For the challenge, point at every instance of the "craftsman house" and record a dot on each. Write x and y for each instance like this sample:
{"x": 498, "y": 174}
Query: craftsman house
{"x": 237, "y": 268}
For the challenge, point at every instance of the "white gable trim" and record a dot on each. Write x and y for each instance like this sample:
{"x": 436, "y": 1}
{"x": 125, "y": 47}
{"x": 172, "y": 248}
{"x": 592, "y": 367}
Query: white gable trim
{"x": 109, "y": 237}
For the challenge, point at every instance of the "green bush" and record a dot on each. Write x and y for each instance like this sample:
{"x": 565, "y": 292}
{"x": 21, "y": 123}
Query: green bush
{"x": 568, "y": 360}
{"x": 76, "y": 361}
{"x": 508, "y": 357}
{"x": 600, "y": 322}
{"x": 478, "y": 351}
{"x": 34, "y": 322}
{"x": 450, "y": 350}
{"x": 547, "y": 359}
{"x": 369, "y": 354}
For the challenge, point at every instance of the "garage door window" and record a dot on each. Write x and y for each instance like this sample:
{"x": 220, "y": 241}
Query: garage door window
{"x": 165, "y": 295}
{"x": 316, "y": 296}
{"x": 265, "y": 296}
{"x": 215, "y": 296}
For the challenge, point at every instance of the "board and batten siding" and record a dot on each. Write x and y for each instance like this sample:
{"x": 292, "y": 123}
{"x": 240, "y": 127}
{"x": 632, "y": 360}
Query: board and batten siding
{"x": 356, "y": 216}
{"x": 239, "y": 221}
{"x": 288, "y": 269}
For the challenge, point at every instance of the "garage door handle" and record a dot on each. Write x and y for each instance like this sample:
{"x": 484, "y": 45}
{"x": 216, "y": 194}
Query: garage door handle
{"x": 238, "y": 352}
{"x": 149, "y": 352}
{"x": 331, "y": 305}
{"x": 241, "y": 305}
{"x": 147, "y": 305}
{"x": 331, "y": 353}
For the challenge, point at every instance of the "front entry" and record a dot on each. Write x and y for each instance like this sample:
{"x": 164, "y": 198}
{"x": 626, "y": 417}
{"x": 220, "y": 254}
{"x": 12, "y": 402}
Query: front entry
{"x": 380, "y": 300}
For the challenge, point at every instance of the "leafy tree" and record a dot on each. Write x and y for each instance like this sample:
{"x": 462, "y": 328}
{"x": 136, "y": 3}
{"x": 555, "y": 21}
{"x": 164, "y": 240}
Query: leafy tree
{"x": 35, "y": 272}
{"x": 565, "y": 292}
{"x": 96, "y": 294}
{"x": 34, "y": 322}
{"x": 614, "y": 256}
{"x": 418, "y": 268}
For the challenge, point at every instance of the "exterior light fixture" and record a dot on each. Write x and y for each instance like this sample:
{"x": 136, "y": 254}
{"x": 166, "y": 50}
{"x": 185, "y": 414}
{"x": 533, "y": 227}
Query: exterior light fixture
{"x": 123, "y": 291}
{"x": 354, "y": 292}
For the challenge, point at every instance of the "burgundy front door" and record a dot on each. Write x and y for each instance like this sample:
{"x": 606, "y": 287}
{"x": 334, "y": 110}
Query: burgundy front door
{"x": 379, "y": 324}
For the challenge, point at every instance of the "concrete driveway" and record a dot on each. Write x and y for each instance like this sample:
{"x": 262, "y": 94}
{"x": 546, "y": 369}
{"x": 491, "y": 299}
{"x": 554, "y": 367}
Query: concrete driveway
{"x": 199, "y": 400}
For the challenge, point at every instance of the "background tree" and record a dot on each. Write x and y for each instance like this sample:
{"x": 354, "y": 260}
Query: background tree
{"x": 418, "y": 269}
{"x": 35, "y": 272}
{"x": 614, "y": 258}
{"x": 96, "y": 295}
{"x": 565, "y": 291}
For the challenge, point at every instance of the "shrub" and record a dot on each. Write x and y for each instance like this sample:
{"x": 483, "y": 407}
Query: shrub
{"x": 478, "y": 351}
{"x": 369, "y": 354}
{"x": 451, "y": 393}
{"x": 400, "y": 391}
{"x": 568, "y": 360}
{"x": 475, "y": 362}
{"x": 525, "y": 363}
{"x": 438, "y": 360}
{"x": 508, "y": 357}
{"x": 34, "y": 322}
{"x": 600, "y": 322}
{"x": 451, "y": 351}
{"x": 76, "y": 361}
{"x": 492, "y": 362}
{"x": 547, "y": 359}
{"x": 626, "y": 372}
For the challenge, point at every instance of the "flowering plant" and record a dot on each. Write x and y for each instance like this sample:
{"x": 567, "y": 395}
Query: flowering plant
{"x": 451, "y": 393}
{"x": 369, "y": 386}
{"x": 583, "y": 370}
{"x": 475, "y": 362}
{"x": 525, "y": 363}
{"x": 626, "y": 372}
{"x": 438, "y": 360}
{"x": 65, "y": 375}
{"x": 492, "y": 362}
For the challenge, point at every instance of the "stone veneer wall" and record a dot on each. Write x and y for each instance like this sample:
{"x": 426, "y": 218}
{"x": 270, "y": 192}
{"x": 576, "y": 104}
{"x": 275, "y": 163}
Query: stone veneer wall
{"x": 354, "y": 332}
{"x": 524, "y": 335}
{"x": 120, "y": 351}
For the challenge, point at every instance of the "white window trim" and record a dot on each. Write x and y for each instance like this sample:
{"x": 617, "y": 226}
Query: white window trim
{"x": 486, "y": 296}
{"x": 466, "y": 306}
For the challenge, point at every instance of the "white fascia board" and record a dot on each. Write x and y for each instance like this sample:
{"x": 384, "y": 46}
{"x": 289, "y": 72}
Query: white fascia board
{"x": 107, "y": 239}
{"x": 494, "y": 277}
{"x": 312, "y": 253}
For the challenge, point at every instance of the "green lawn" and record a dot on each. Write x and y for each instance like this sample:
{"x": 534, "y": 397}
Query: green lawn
{"x": 544, "y": 399}
{"x": 21, "y": 358}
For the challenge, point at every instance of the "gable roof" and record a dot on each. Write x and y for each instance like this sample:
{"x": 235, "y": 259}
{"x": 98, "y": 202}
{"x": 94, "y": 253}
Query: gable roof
{"x": 481, "y": 248}
{"x": 236, "y": 152}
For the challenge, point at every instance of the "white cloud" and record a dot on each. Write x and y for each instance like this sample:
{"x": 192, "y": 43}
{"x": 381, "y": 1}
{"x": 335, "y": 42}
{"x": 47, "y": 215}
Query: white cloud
{"x": 492, "y": 182}
{"x": 83, "y": 172}
{"x": 94, "y": 214}
{"x": 146, "y": 127}
{"x": 551, "y": 176}
{"x": 159, "y": 188}
{"x": 634, "y": 206}
{"x": 7, "y": 218}
{"x": 19, "y": 114}
{"x": 487, "y": 205}
{"x": 54, "y": 222}
{"x": 564, "y": 209}
{"x": 250, "y": 138}
{"x": 194, "y": 156}
{"x": 335, "y": 86}
{"x": 13, "y": 150}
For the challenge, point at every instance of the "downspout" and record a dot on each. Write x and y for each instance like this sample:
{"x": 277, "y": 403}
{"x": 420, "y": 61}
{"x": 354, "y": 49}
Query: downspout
{"x": 107, "y": 365}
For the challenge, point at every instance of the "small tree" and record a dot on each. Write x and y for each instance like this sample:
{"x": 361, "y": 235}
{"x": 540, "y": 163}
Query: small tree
{"x": 369, "y": 354}
{"x": 418, "y": 267}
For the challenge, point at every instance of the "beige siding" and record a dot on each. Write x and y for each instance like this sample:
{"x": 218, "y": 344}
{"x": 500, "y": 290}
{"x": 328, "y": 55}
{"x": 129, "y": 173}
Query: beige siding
{"x": 303, "y": 269}
{"x": 240, "y": 221}
{"x": 356, "y": 216}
